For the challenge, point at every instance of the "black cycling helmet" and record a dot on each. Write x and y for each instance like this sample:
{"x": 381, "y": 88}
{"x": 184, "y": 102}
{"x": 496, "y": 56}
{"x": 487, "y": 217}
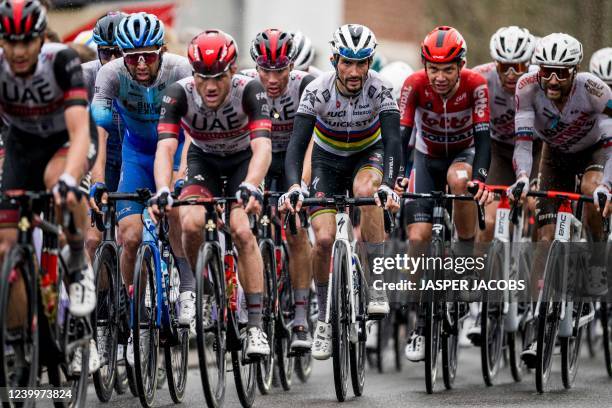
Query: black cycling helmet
{"x": 104, "y": 31}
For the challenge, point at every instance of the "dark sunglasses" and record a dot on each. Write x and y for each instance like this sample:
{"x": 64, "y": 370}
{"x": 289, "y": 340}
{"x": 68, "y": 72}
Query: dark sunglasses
{"x": 562, "y": 73}
{"x": 107, "y": 54}
{"x": 269, "y": 65}
{"x": 148, "y": 57}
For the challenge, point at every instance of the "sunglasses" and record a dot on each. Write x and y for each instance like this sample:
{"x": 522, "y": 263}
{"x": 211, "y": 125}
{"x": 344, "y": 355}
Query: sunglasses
{"x": 280, "y": 63}
{"x": 518, "y": 68}
{"x": 107, "y": 54}
{"x": 148, "y": 57}
{"x": 562, "y": 73}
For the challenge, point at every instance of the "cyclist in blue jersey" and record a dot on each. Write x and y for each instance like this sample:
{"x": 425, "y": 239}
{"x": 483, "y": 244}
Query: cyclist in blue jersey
{"x": 133, "y": 85}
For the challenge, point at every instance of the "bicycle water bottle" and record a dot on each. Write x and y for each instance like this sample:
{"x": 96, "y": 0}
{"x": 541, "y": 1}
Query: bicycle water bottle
{"x": 148, "y": 230}
{"x": 49, "y": 266}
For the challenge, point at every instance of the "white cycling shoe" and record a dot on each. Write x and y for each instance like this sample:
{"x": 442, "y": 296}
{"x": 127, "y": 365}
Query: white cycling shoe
{"x": 322, "y": 346}
{"x": 82, "y": 293}
{"x": 379, "y": 304}
{"x": 94, "y": 359}
{"x": 372, "y": 328}
{"x": 415, "y": 349}
{"x": 144, "y": 338}
{"x": 257, "y": 342}
{"x": 187, "y": 305}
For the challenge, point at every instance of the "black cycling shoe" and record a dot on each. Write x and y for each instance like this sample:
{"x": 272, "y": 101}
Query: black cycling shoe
{"x": 301, "y": 340}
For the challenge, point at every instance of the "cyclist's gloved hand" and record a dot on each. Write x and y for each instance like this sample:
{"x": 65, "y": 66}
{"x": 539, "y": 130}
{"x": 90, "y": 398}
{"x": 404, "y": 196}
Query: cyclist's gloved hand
{"x": 247, "y": 190}
{"x": 387, "y": 198}
{"x": 178, "y": 186}
{"x": 523, "y": 182}
{"x": 294, "y": 195}
{"x": 161, "y": 199}
{"x": 67, "y": 191}
{"x": 480, "y": 192}
{"x": 97, "y": 195}
{"x": 602, "y": 189}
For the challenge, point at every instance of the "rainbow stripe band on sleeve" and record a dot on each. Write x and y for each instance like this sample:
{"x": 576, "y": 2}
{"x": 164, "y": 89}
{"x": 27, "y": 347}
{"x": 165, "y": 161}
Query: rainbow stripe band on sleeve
{"x": 345, "y": 143}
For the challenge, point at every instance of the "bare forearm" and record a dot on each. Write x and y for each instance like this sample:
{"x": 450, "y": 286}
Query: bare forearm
{"x": 260, "y": 161}
{"x": 98, "y": 171}
{"x": 164, "y": 159}
{"x": 77, "y": 120}
{"x": 306, "y": 170}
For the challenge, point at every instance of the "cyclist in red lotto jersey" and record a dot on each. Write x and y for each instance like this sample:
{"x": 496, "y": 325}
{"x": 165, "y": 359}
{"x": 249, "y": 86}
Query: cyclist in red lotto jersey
{"x": 448, "y": 107}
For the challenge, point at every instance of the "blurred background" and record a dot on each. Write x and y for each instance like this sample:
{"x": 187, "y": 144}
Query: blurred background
{"x": 399, "y": 25}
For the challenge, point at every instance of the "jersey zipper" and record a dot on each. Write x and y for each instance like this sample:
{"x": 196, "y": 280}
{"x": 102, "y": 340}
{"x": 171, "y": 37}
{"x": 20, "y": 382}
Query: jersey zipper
{"x": 444, "y": 100}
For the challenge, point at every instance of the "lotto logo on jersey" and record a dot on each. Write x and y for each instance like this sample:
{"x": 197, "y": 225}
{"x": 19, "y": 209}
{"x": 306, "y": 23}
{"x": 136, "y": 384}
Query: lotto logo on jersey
{"x": 481, "y": 101}
{"x": 441, "y": 122}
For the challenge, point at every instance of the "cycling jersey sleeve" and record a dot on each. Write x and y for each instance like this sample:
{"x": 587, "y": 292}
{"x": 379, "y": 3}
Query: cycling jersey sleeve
{"x": 599, "y": 93}
{"x": 69, "y": 77}
{"x": 524, "y": 123}
{"x": 256, "y": 106}
{"x": 408, "y": 102}
{"x": 174, "y": 107}
{"x": 392, "y": 143}
{"x": 607, "y": 145}
{"x": 303, "y": 126}
{"x": 106, "y": 90}
{"x": 482, "y": 155}
{"x": 480, "y": 96}
{"x": 305, "y": 81}
{"x": 311, "y": 100}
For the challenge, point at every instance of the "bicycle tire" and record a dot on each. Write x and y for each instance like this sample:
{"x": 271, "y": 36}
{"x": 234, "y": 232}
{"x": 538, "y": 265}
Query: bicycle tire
{"x": 146, "y": 366}
{"x": 265, "y": 366}
{"x": 549, "y": 314}
{"x": 245, "y": 378}
{"x": 492, "y": 318}
{"x": 606, "y": 325}
{"x": 303, "y": 363}
{"x": 570, "y": 351}
{"x": 357, "y": 350}
{"x": 397, "y": 342}
{"x": 432, "y": 328}
{"x": 339, "y": 316}
{"x": 285, "y": 362}
{"x": 106, "y": 264}
{"x": 121, "y": 379}
{"x": 450, "y": 343}
{"x": 176, "y": 360}
{"x": 19, "y": 261}
{"x": 78, "y": 386}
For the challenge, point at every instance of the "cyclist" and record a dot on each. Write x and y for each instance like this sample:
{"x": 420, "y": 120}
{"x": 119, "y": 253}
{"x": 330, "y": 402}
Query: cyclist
{"x": 273, "y": 52}
{"x": 601, "y": 65}
{"x": 356, "y": 130}
{"x": 51, "y": 140}
{"x": 228, "y": 118}
{"x": 511, "y": 49}
{"x": 304, "y": 54}
{"x": 570, "y": 112}
{"x": 449, "y": 107}
{"x": 133, "y": 86}
{"x": 107, "y": 49}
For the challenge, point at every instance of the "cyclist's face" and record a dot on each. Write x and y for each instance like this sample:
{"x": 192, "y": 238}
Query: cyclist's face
{"x": 443, "y": 77}
{"x": 22, "y": 56}
{"x": 352, "y": 74}
{"x": 274, "y": 81}
{"x": 510, "y": 73}
{"x": 214, "y": 91}
{"x": 143, "y": 63}
{"x": 556, "y": 88}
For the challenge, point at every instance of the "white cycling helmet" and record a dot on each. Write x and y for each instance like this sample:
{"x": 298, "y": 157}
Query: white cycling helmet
{"x": 512, "y": 45}
{"x": 601, "y": 65}
{"x": 396, "y": 73}
{"x": 558, "y": 49}
{"x": 354, "y": 42}
{"x": 304, "y": 51}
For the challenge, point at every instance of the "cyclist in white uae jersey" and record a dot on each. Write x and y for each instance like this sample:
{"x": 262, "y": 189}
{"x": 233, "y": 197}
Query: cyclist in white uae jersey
{"x": 601, "y": 65}
{"x": 357, "y": 148}
{"x": 273, "y": 51}
{"x": 570, "y": 112}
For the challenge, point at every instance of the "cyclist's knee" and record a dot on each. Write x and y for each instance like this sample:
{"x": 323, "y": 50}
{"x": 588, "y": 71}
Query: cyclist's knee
{"x": 132, "y": 238}
{"x": 92, "y": 240}
{"x": 190, "y": 226}
{"x": 364, "y": 189}
{"x": 242, "y": 235}
{"x": 546, "y": 233}
{"x": 589, "y": 184}
{"x": 458, "y": 184}
{"x": 419, "y": 232}
{"x": 324, "y": 241}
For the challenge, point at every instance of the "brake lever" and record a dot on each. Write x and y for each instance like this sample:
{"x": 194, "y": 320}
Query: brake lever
{"x": 481, "y": 211}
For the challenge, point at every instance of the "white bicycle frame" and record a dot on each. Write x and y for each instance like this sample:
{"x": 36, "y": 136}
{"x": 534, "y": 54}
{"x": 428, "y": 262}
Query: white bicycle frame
{"x": 567, "y": 229}
{"x": 345, "y": 236}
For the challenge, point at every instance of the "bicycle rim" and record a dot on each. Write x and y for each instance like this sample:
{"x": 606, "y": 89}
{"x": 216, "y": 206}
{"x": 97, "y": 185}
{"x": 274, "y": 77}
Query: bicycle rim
{"x": 358, "y": 350}
{"x": 145, "y": 350}
{"x": 176, "y": 359}
{"x": 450, "y": 342}
{"x": 339, "y": 316}
{"x": 570, "y": 351}
{"x": 285, "y": 362}
{"x": 265, "y": 366}
{"x": 106, "y": 318}
{"x": 77, "y": 385}
{"x": 245, "y": 378}
{"x": 211, "y": 340}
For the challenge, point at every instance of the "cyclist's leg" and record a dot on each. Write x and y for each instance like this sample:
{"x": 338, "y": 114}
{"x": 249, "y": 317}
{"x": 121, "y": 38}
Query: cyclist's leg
{"x": 459, "y": 173}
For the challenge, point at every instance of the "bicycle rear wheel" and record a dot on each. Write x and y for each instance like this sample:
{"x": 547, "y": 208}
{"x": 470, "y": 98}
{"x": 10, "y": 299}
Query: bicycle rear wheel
{"x": 492, "y": 318}
{"x": 606, "y": 324}
{"x": 570, "y": 348}
{"x": 211, "y": 330}
{"x": 145, "y": 331}
{"x": 339, "y": 319}
{"x": 18, "y": 327}
{"x": 549, "y": 314}
{"x": 265, "y": 366}
{"x": 105, "y": 319}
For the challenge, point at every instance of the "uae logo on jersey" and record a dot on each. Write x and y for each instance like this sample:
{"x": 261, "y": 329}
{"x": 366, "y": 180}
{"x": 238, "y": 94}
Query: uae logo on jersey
{"x": 311, "y": 97}
{"x": 385, "y": 93}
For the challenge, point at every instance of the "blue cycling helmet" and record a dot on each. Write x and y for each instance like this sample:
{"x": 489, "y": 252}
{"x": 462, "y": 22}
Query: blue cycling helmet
{"x": 140, "y": 30}
{"x": 104, "y": 31}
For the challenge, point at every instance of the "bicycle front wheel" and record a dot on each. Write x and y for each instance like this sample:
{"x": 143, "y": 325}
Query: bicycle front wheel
{"x": 265, "y": 366}
{"x": 339, "y": 320}
{"x": 285, "y": 362}
{"x": 145, "y": 331}
{"x": 18, "y": 328}
{"x": 357, "y": 348}
{"x": 450, "y": 343}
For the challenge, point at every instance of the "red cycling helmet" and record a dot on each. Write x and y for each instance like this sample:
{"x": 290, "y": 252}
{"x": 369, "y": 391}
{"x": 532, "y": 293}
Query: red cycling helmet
{"x": 212, "y": 52}
{"x": 22, "y": 19}
{"x": 273, "y": 49}
{"x": 443, "y": 45}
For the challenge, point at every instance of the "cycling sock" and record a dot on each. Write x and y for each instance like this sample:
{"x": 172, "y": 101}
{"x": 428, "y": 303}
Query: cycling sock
{"x": 74, "y": 255}
{"x": 187, "y": 278}
{"x": 301, "y": 307}
{"x": 253, "y": 301}
{"x": 322, "y": 300}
